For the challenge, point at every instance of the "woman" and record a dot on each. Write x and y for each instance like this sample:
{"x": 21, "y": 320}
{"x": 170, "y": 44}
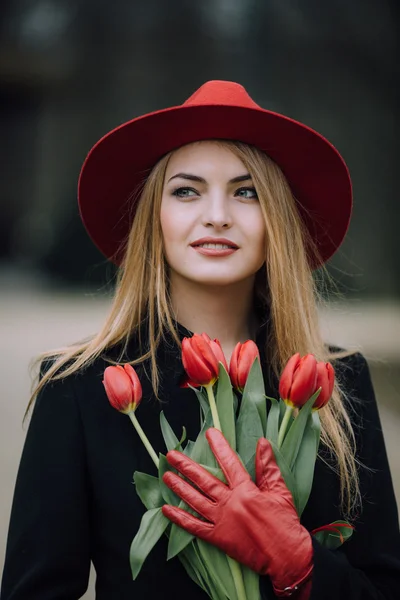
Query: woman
{"x": 217, "y": 212}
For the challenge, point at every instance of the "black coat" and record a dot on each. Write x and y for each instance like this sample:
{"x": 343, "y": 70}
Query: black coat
{"x": 75, "y": 501}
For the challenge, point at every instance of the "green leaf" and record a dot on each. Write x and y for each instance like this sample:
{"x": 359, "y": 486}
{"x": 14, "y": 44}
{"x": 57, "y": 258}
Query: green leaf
{"x": 201, "y": 451}
{"x": 191, "y": 566}
{"x": 167, "y": 494}
{"x": 190, "y": 555}
{"x": 218, "y": 568}
{"x": 254, "y": 390}
{"x": 203, "y": 399}
{"x": 183, "y": 438}
{"x": 273, "y": 421}
{"x": 188, "y": 448}
{"x": 212, "y": 589}
{"x": 235, "y": 402}
{"x": 170, "y": 439}
{"x": 282, "y": 410}
{"x": 331, "y": 539}
{"x": 251, "y": 583}
{"x": 148, "y": 490}
{"x": 250, "y": 467}
{"x": 191, "y": 570}
{"x": 270, "y": 398}
{"x": 303, "y": 470}
{"x": 216, "y": 471}
{"x": 248, "y": 430}
{"x": 193, "y": 554}
{"x": 224, "y": 402}
{"x": 179, "y": 538}
{"x": 152, "y": 526}
{"x": 317, "y": 427}
{"x": 292, "y": 441}
{"x": 286, "y": 473}
{"x": 304, "y": 466}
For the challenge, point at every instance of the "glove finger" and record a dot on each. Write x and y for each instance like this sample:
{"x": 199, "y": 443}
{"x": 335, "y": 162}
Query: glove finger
{"x": 231, "y": 466}
{"x": 268, "y": 474}
{"x": 188, "y": 522}
{"x": 192, "y": 497}
{"x": 205, "y": 481}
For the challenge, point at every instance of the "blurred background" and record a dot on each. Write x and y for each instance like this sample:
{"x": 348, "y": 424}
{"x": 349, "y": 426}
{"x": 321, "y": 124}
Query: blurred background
{"x": 70, "y": 70}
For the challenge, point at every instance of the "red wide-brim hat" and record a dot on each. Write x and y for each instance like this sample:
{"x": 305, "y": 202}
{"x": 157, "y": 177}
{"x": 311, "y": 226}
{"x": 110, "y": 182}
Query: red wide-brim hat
{"x": 117, "y": 166}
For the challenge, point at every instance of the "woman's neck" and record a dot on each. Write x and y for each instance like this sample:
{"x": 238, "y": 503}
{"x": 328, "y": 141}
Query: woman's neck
{"x": 224, "y": 312}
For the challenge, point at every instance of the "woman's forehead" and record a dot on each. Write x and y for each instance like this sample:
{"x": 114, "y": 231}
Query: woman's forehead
{"x": 205, "y": 156}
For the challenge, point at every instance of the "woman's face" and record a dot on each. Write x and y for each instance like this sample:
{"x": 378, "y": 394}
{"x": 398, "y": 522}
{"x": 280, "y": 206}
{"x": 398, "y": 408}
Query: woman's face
{"x": 212, "y": 225}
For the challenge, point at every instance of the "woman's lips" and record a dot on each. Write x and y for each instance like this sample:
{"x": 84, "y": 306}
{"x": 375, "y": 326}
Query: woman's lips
{"x": 214, "y": 251}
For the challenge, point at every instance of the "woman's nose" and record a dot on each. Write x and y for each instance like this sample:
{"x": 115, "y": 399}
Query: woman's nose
{"x": 217, "y": 211}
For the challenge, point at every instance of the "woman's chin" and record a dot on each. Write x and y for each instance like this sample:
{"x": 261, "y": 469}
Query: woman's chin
{"x": 219, "y": 279}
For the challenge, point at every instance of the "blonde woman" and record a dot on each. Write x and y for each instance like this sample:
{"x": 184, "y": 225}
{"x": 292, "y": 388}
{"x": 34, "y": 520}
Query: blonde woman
{"x": 218, "y": 213}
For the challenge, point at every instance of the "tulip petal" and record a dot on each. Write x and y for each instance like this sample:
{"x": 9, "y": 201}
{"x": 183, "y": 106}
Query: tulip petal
{"x": 205, "y": 336}
{"x": 304, "y": 380}
{"x": 286, "y": 379}
{"x": 248, "y": 353}
{"x": 233, "y": 366}
{"x": 135, "y": 382}
{"x": 198, "y": 360}
{"x": 195, "y": 367}
{"x": 203, "y": 347}
{"x": 218, "y": 353}
{"x": 118, "y": 388}
{"x": 242, "y": 359}
{"x": 326, "y": 381}
{"x": 187, "y": 383}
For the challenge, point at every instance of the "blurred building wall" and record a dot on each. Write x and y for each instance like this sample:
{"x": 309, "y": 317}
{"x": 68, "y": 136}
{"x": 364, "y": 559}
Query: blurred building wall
{"x": 70, "y": 70}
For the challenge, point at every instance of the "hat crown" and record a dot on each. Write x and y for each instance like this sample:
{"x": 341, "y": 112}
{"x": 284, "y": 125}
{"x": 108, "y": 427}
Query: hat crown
{"x": 227, "y": 93}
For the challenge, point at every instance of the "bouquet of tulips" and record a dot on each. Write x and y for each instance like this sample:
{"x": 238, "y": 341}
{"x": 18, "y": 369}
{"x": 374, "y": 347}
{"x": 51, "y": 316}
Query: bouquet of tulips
{"x": 233, "y": 401}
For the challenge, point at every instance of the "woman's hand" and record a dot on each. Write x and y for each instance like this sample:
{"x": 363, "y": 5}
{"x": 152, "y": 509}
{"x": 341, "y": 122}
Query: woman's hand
{"x": 254, "y": 523}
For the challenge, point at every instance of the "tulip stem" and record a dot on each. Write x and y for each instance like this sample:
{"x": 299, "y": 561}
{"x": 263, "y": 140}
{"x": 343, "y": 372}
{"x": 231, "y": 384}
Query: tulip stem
{"x": 213, "y": 406}
{"x": 237, "y": 576}
{"x": 284, "y": 424}
{"x": 144, "y": 439}
{"x": 234, "y": 566}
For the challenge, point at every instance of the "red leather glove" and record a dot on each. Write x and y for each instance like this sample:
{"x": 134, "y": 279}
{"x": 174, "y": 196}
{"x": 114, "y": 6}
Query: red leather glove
{"x": 256, "y": 524}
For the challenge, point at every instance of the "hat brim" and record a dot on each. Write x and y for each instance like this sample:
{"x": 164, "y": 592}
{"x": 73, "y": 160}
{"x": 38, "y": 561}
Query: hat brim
{"x": 117, "y": 166}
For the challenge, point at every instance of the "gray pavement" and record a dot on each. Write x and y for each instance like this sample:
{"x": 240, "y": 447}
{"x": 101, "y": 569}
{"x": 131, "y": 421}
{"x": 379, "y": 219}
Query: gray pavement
{"x": 34, "y": 318}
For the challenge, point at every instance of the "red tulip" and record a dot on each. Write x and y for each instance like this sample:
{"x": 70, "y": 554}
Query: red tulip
{"x": 201, "y": 357}
{"x": 185, "y": 382}
{"x": 217, "y": 350}
{"x": 325, "y": 381}
{"x": 123, "y": 388}
{"x": 241, "y": 362}
{"x": 298, "y": 380}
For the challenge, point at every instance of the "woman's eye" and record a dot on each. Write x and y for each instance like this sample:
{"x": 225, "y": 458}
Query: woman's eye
{"x": 184, "y": 192}
{"x": 246, "y": 192}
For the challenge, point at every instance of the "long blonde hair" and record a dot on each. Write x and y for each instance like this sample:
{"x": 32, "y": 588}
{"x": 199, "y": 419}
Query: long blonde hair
{"x": 286, "y": 285}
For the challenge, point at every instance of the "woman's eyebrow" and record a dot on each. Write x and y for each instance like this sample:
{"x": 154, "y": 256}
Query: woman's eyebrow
{"x": 191, "y": 177}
